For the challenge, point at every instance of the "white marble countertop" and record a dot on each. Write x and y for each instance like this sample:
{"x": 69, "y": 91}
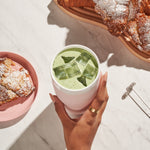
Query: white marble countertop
{"x": 37, "y": 30}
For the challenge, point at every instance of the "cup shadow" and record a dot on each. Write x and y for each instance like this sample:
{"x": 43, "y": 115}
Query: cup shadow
{"x": 108, "y": 47}
{"x": 45, "y": 133}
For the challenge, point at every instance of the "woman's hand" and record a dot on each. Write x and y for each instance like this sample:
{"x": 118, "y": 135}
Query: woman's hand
{"x": 79, "y": 133}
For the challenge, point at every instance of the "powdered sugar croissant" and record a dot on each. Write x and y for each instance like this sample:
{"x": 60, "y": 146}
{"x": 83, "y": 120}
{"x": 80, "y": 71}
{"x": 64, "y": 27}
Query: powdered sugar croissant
{"x": 139, "y": 30}
{"x": 121, "y": 17}
{"x": 15, "y": 81}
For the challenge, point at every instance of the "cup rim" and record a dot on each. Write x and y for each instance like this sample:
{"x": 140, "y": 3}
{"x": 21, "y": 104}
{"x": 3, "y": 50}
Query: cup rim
{"x": 76, "y": 46}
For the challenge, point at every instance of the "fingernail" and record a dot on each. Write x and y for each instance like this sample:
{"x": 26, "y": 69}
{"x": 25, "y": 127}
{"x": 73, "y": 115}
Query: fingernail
{"x": 52, "y": 97}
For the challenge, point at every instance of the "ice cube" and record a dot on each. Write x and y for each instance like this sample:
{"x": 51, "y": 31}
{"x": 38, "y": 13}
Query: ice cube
{"x": 82, "y": 80}
{"x": 67, "y": 59}
{"x": 60, "y": 72}
{"x": 83, "y": 58}
{"x": 72, "y": 69}
{"x": 90, "y": 71}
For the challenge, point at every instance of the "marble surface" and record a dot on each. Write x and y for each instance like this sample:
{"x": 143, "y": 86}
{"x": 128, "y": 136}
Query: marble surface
{"x": 37, "y": 30}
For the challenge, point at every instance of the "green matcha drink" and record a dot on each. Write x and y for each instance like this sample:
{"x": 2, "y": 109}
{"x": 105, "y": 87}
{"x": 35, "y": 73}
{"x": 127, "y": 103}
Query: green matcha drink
{"x": 75, "y": 68}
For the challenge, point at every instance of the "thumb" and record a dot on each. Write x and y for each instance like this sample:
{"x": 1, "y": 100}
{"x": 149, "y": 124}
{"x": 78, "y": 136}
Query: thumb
{"x": 59, "y": 107}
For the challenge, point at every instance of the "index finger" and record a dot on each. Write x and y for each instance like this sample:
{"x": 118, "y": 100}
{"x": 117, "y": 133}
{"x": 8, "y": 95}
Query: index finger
{"x": 99, "y": 102}
{"x": 102, "y": 94}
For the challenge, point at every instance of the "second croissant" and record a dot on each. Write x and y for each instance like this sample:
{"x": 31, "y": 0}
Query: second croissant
{"x": 125, "y": 16}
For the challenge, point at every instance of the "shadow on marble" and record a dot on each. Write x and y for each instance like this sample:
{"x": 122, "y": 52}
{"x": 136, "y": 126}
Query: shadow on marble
{"x": 45, "y": 133}
{"x": 108, "y": 47}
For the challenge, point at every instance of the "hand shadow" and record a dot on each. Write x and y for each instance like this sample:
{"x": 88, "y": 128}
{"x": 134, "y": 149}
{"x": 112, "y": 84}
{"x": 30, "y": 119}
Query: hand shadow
{"x": 108, "y": 47}
{"x": 45, "y": 133}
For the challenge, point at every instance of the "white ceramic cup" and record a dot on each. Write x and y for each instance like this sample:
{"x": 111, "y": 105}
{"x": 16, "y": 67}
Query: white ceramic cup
{"x": 76, "y": 101}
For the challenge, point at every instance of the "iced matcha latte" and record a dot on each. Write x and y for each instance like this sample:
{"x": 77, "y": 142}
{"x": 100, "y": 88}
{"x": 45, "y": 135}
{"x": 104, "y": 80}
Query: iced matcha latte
{"x": 75, "y": 68}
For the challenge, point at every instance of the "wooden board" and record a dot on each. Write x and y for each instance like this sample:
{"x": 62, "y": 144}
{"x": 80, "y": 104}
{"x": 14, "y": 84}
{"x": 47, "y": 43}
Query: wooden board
{"x": 90, "y": 16}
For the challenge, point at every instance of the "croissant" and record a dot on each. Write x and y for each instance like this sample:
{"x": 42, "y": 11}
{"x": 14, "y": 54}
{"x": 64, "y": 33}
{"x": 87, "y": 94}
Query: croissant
{"x": 6, "y": 95}
{"x": 139, "y": 30}
{"x": 143, "y": 24}
{"x": 15, "y": 81}
{"x": 114, "y": 13}
{"x": 145, "y": 6}
{"x": 121, "y": 16}
{"x": 140, "y": 5}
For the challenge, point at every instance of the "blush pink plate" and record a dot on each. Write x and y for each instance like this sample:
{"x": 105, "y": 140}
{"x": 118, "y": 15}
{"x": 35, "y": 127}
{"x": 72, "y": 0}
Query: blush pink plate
{"x": 17, "y": 109}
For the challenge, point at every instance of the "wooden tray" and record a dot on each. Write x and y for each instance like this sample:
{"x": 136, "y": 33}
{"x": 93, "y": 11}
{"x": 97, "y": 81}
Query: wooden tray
{"x": 90, "y": 16}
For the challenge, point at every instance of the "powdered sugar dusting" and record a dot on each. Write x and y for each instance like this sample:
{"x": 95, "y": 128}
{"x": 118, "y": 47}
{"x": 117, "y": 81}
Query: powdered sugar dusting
{"x": 6, "y": 95}
{"x": 18, "y": 81}
{"x": 143, "y": 23}
{"x": 132, "y": 29}
{"x": 147, "y": 47}
{"x": 132, "y": 11}
{"x": 112, "y": 8}
{"x": 114, "y": 14}
{"x": 2, "y": 69}
{"x": 14, "y": 80}
{"x": 120, "y": 15}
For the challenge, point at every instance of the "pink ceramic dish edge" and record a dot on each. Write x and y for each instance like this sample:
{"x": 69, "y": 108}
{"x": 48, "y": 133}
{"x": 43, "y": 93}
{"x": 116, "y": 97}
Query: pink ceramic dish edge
{"x": 19, "y": 109}
{"x": 76, "y": 100}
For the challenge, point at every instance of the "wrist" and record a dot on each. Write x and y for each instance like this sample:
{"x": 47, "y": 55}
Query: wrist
{"x": 80, "y": 148}
{"x": 85, "y": 148}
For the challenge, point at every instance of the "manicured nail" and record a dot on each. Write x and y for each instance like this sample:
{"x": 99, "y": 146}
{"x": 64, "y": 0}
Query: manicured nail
{"x": 52, "y": 97}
